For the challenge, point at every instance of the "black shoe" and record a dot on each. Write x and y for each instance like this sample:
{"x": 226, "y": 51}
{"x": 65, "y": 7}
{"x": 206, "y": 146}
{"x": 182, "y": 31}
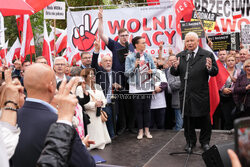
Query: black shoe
{"x": 187, "y": 147}
{"x": 121, "y": 131}
{"x": 205, "y": 147}
{"x": 133, "y": 131}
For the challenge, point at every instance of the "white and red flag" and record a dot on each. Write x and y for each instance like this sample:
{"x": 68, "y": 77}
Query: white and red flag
{"x": 3, "y": 51}
{"x": 61, "y": 42}
{"x": 27, "y": 39}
{"x": 14, "y": 52}
{"x": 215, "y": 83}
{"x": 46, "y": 46}
{"x": 57, "y": 32}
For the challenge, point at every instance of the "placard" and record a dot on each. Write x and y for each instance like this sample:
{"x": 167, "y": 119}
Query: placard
{"x": 245, "y": 34}
{"x": 221, "y": 42}
{"x": 194, "y": 26}
{"x": 208, "y": 19}
{"x": 55, "y": 10}
{"x": 2, "y": 37}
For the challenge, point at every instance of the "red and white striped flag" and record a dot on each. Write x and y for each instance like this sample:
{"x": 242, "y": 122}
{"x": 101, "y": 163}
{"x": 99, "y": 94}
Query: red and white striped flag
{"x": 3, "y": 51}
{"x": 52, "y": 37}
{"x": 215, "y": 83}
{"x": 14, "y": 52}
{"x": 27, "y": 41}
{"x": 74, "y": 55}
{"x": 46, "y": 46}
{"x": 61, "y": 42}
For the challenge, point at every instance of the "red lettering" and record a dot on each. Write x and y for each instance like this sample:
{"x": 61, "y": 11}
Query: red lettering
{"x": 170, "y": 36}
{"x": 116, "y": 38}
{"x": 144, "y": 25}
{"x": 228, "y": 23}
{"x": 103, "y": 45}
{"x": 145, "y": 35}
{"x": 170, "y": 17}
{"x": 161, "y": 23}
{"x": 130, "y": 38}
{"x": 152, "y": 52}
{"x": 137, "y": 27}
{"x": 241, "y": 21}
{"x": 116, "y": 25}
{"x": 155, "y": 37}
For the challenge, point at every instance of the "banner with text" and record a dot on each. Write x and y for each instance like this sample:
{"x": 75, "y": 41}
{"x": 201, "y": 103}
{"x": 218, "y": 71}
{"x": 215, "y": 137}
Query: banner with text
{"x": 155, "y": 23}
{"x": 221, "y": 42}
{"x": 231, "y": 14}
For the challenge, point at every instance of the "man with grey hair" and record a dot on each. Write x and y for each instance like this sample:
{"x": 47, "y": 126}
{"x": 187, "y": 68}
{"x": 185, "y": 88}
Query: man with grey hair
{"x": 105, "y": 77}
{"x": 197, "y": 108}
{"x": 59, "y": 68}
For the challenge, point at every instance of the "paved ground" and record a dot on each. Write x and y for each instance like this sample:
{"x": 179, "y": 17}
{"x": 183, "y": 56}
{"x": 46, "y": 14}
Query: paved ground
{"x": 126, "y": 150}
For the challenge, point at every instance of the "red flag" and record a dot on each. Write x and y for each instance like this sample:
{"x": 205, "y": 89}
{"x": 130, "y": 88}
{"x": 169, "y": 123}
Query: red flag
{"x": 46, "y": 46}
{"x": 183, "y": 9}
{"x": 61, "y": 42}
{"x": 215, "y": 83}
{"x": 28, "y": 46}
{"x": 52, "y": 38}
{"x": 3, "y": 51}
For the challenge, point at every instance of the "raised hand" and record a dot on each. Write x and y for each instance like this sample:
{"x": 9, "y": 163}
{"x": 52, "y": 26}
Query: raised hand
{"x": 97, "y": 44}
{"x": 86, "y": 141}
{"x": 209, "y": 63}
{"x": 176, "y": 63}
{"x": 84, "y": 35}
{"x": 66, "y": 102}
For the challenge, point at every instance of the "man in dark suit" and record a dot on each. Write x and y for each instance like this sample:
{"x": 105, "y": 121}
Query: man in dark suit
{"x": 86, "y": 60}
{"x": 106, "y": 78}
{"x": 201, "y": 65}
{"x": 36, "y": 116}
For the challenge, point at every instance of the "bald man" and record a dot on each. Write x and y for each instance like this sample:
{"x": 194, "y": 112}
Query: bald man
{"x": 243, "y": 58}
{"x": 36, "y": 116}
{"x": 197, "y": 108}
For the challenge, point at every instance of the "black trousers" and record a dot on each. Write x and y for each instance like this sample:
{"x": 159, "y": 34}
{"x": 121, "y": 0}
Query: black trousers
{"x": 204, "y": 123}
{"x": 142, "y": 104}
{"x": 227, "y": 106}
{"x": 126, "y": 114}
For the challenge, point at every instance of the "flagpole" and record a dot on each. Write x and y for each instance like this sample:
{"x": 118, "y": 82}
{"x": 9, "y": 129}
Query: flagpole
{"x": 55, "y": 38}
{"x": 198, "y": 16}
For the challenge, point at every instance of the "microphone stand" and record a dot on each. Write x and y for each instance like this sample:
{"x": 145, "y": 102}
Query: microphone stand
{"x": 189, "y": 150}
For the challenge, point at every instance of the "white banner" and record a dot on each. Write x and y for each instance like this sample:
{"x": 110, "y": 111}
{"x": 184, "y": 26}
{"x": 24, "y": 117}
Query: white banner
{"x": 231, "y": 14}
{"x": 155, "y": 23}
{"x": 56, "y": 10}
{"x": 2, "y": 37}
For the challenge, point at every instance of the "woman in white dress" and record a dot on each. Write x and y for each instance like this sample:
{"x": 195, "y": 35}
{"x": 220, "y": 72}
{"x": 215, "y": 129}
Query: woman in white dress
{"x": 97, "y": 129}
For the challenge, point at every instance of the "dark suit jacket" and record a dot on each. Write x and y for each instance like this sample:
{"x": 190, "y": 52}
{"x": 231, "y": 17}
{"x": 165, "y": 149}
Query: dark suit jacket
{"x": 102, "y": 77}
{"x": 197, "y": 97}
{"x": 34, "y": 120}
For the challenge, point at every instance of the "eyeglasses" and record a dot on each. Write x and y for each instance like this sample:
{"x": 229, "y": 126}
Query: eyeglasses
{"x": 124, "y": 35}
{"x": 86, "y": 58}
{"x": 60, "y": 64}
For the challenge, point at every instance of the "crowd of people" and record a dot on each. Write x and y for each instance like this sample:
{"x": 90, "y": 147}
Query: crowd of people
{"x": 73, "y": 109}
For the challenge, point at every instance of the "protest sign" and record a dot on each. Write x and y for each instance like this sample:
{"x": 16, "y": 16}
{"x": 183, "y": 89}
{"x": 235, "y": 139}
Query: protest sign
{"x": 194, "y": 26}
{"x": 221, "y": 42}
{"x": 154, "y": 23}
{"x": 2, "y": 37}
{"x": 245, "y": 34}
{"x": 55, "y": 10}
{"x": 208, "y": 19}
{"x": 231, "y": 14}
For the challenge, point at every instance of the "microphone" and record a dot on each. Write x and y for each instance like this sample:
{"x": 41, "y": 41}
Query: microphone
{"x": 127, "y": 46}
{"x": 189, "y": 53}
{"x": 138, "y": 58}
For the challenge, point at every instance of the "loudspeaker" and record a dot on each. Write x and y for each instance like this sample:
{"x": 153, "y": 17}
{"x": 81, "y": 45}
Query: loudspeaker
{"x": 217, "y": 155}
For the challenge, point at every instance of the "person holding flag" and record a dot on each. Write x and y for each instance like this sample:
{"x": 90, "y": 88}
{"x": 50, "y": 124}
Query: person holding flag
{"x": 201, "y": 65}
